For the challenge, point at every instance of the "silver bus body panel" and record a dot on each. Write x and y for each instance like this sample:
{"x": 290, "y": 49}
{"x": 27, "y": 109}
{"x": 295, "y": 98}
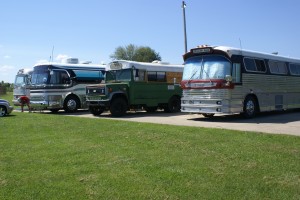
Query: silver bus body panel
{"x": 43, "y": 99}
{"x": 273, "y": 92}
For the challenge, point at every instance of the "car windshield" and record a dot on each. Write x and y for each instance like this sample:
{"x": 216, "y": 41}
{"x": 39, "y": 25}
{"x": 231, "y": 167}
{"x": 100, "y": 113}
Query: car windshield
{"x": 118, "y": 75}
{"x": 206, "y": 67}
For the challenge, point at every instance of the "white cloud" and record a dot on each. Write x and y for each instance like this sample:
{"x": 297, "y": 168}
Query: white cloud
{"x": 41, "y": 61}
{"x": 7, "y": 73}
{"x": 7, "y": 57}
{"x": 61, "y": 57}
{"x": 6, "y": 68}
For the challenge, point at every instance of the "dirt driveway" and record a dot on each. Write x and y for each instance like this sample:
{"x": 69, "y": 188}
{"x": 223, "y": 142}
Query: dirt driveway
{"x": 276, "y": 123}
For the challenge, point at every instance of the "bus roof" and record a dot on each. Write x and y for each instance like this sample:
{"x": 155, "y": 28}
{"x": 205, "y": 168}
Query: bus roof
{"x": 24, "y": 71}
{"x": 154, "y": 66}
{"x": 73, "y": 66}
{"x": 247, "y": 53}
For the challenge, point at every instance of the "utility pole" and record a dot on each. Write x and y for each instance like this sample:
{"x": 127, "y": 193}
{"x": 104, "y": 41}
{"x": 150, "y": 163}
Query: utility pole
{"x": 184, "y": 26}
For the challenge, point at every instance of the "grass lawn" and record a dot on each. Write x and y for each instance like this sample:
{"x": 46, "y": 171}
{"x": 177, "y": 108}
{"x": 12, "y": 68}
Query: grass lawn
{"x": 48, "y": 156}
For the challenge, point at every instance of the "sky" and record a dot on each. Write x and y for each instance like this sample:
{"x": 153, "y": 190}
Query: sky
{"x": 91, "y": 30}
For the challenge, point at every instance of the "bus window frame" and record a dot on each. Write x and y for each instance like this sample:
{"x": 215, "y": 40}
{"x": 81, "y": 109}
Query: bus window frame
{"x": 236, "y": 65}
{"x": 277, "y": 73}
{"x": 254, "y": 59}
{"x": 293, "y": 74}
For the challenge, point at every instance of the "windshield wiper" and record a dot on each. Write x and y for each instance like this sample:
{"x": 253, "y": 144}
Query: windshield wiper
{"x": 206, "y": 73}
{"x": 192, "y": 76}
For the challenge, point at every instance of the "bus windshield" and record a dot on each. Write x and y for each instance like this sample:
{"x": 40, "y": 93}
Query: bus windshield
{"x": 118, "y": 75}
{"x": 21, "y": 80}
{"x": 43, "y": 75}
{"x": 206, "y": 67}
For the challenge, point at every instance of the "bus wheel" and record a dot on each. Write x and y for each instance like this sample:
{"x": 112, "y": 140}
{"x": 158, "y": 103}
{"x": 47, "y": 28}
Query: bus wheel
{"x": 208, "y": 115}
{"x": 2, "y": 111}
{"x": 151, "y": 109}
{"x": 174, "y": 105}
{"x": 250, "y": 107}
{"x": 118, "y": 107}
{"x": 71, "y": 104}
{"x": 96, "y": 110}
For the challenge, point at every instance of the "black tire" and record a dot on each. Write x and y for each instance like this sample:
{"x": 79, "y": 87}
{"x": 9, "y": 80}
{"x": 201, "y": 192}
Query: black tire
{"x": 118, "y": 107}
{"x": 151, "y": 109}
{"x": 96, "y": 110}
{"x": 71, "y": 104}
{"x": 250, "y": 107}
{"x": 3, "y": 111}
{"x": 208, "y": 115}
{"x": 173, "y": 105}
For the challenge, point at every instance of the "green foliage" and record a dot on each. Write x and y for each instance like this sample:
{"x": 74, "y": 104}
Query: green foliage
{"x": 135, "y": 53}
{"x": 48, "y": 156}
{"x": 8, "y": 87}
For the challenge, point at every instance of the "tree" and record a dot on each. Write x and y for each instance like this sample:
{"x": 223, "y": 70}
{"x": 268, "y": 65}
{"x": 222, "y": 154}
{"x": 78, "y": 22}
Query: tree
{"x": 135, "y": 53}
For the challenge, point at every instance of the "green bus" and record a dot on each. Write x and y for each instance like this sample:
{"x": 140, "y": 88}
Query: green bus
{"x": 131, "y": 85}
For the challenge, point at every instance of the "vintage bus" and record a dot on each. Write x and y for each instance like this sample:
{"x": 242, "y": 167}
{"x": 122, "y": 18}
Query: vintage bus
{"x": 56, "y": 86}
{"x": 225, "y": 80}
{"x": 136, "y": 85}
{"x": 21, "y": 84}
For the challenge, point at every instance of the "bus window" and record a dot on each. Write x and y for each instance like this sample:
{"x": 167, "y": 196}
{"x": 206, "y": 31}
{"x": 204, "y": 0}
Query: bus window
{"x": 277, "y": 67}
{"x": 139, "y": 75}
{"x": 236, "y": 73}
{"x": 295, "y": 69}
{"x": 254, "y": 65}
{"x": 59, "y": 77}
{"x": 161, "y": 76}
{"x": 157, "y": 76}
{"x": 260, "y": 65}
{"x": 151, "y": 76}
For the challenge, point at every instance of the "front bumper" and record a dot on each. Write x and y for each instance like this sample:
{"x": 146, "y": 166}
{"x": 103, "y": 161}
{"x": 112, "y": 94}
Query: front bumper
{"x": 98, "y": 103}
{"x": 44, "y": 105}
{"x": 10, "y": 109}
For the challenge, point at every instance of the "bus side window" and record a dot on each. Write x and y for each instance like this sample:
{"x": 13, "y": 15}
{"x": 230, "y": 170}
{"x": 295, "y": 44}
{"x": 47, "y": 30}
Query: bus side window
{"x": 65, "y": 78}
{"x": 236, "y": 72}
{"x": 139, "y": 75}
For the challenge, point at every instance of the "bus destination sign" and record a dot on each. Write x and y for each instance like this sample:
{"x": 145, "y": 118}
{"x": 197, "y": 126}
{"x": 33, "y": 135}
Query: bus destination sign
{"x": 202, "y": 50}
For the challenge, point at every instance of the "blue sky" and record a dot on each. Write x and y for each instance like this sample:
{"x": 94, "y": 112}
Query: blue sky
{"x": 92, "y": 29}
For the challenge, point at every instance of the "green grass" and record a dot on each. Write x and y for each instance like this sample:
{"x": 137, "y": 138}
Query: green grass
{"x": 47, "y": 156}
{"x": 8, "y": 96}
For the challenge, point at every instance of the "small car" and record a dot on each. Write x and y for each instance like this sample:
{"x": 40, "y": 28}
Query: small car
{"x": 5, "y": 108}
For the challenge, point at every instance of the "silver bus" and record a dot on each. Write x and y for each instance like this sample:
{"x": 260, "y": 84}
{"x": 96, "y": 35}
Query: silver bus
{"x": 22, "y": 81}
{"x": 56, "y": 86}
{"x": 225, "y": 80}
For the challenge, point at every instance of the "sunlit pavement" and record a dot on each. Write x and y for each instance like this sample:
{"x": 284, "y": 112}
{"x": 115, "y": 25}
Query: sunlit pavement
{"x": 273, "y": 122}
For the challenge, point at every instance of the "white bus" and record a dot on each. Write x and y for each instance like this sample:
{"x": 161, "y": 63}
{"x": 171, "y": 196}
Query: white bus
{"x": 56, "y": 86}
{"x": 225, "y": 80}
{"x": 22, "y": 81}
